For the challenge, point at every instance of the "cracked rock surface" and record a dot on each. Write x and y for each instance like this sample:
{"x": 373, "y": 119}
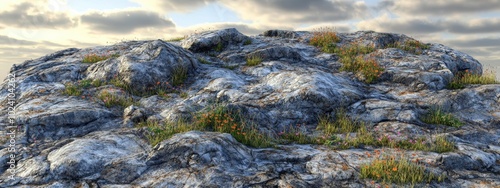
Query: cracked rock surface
{"x": 75, "y": 141}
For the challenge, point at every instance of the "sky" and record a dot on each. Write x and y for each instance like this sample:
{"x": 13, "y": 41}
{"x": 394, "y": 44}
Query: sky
{"x": 31, "y": 29}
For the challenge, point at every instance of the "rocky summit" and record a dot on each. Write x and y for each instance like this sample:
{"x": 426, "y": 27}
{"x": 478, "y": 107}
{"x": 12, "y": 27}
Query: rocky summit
{"x": 280, "y": 109}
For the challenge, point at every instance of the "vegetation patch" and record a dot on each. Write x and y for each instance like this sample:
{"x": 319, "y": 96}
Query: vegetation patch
{"x": 247, "y": 42}
{"x": 93, "y": 58}
{"x": 204, "y": 61}
{"x": 325, "y": 39}
{"x": 111, "y": 100}
{"x": 222, "y": 119}
{"x": 398, "y": 171}
{"x": 158, "y": 132}
{"x": 254, "y": 60}
{"x": 342, "y": 124}
{"x": 179, "y": 75}
{"x": 411, "y": 46}
{"x": 464, "y": 78}
{"x": 219, "y": 47}
{"x": 353, "y": 60}
{"x": 176, "y": 39}
{"x": 218, "y": 119}
{"x": 437, "y": 116}
{"x": 77, "y": 89}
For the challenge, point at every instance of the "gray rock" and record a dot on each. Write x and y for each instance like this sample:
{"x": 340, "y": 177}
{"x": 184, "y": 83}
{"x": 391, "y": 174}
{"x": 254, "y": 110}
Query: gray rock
{"x": 76, "y": 141}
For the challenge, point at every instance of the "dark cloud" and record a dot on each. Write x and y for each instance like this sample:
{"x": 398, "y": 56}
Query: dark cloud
{"x": 5, "y": 40}
{"x": 27, "y": 15}
{"x": 475, "y": 26}
{"x": 480, "y": 42}
{"x": 406, "y": 26}
{"x": 297, "y": 11}
{"x": 445, "y": 7}
{"x": 124, "y": 22}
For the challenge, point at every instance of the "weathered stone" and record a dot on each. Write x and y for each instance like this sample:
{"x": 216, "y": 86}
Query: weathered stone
{"x": 76, "y": 141}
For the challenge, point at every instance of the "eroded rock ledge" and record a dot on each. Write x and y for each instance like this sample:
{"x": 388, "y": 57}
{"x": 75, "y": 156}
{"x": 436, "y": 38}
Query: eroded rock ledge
{"x": 82, "y": 140}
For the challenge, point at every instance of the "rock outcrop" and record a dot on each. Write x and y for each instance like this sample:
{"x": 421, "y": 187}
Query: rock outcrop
{"x": 91, "y": 139}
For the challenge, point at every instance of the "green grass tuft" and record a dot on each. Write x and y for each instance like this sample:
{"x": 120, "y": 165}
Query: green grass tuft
{"x": 219, "y": 47}
{"x": 464, "y": 78}
{"x": 399, "y": 171}
{"x": 438, "y": 116}
{"x": 111, "y": 100}
{"x": 93, "y": 58}
{"x": 325, "y": 39}
{"x": 254, "y": 60}
{"x": 179, "y": 75}
{"x": 176, "y": 39}
{"x": 247, "y": 42}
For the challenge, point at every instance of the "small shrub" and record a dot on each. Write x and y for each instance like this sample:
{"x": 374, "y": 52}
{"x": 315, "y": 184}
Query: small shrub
{"x": 204, "y": 61}
{"x": 184, "y": 95}
{"x": 295, "y": 135}
{"x": 72, "y": 90}
{"x": 230, "y": 67}
{"x": 222, "y": 119}
{"x": 93, "y": 58}
{"x": 325, "y": 39}
{"x": 176, "y": 39}
{"x": 179, "y": 75}
{"x": 219, "y": 47}
{"x": 159, "y": 132}
{"x": 352, "y": 60}
{"x": 412, "y": 46}
{"x": 254, "y": 60}
{"x": 399, "y": 171}
{"x": 247, "y": 42}
{"x": 442, "y": 145}
{"x": 438, "y": 116}
{"x": 465, "y": 78}
{"x": 77, "y": 89}
{"x": 340, "y": 124}
{"x": 111, "y": 100}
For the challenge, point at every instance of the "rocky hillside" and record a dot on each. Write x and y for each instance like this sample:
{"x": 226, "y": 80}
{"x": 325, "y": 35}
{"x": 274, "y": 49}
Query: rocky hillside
{"x": 281, "y": 109}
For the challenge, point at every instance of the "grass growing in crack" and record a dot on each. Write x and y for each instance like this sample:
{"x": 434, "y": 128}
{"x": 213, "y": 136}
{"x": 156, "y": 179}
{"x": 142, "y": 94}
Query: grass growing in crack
{"x": 438, "y": 116}
{"x": 464, "y": 78}
{"x": 325, "y": 39}
{"x": 247, "y": 42}
{"x": 295, "y": 135}
{"x": 352, "y": 60}
{"x": 412, "y": 46}
{"x": 230, "y": 67}
{"x": 399, "y": 171}
{"x": 204, "y": 61}
{"x": 111, "y": 100}
{"x": 254, "y": 60}
{"x": 222, "y": 119}
{"x": 179, "y": 75}
{"x": 219, "y": 47}
{"x": 340, "y": 124}
{"x": 77, "y": 89}
{"x": 93, "y": 58}
{"x": 176, "y": 39}
{"x": 184, "y": 95}
{"x": 162, "y": 131}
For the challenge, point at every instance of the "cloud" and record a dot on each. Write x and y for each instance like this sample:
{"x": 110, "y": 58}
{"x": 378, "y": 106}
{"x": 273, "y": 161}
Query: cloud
{"x": 477, "y": 42}
{"x": 5, "y": 40}
{"x": 125, "y": 21}
{"x": 444, "y": 7}
{"x": 296, "y": 11}
{"x": 491, "y": 25}
{"x": 173, "y": 5}
{"x": 32, "y": 16}
{"x": 401, "y": 25}
{"x": 247, "y": 29}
